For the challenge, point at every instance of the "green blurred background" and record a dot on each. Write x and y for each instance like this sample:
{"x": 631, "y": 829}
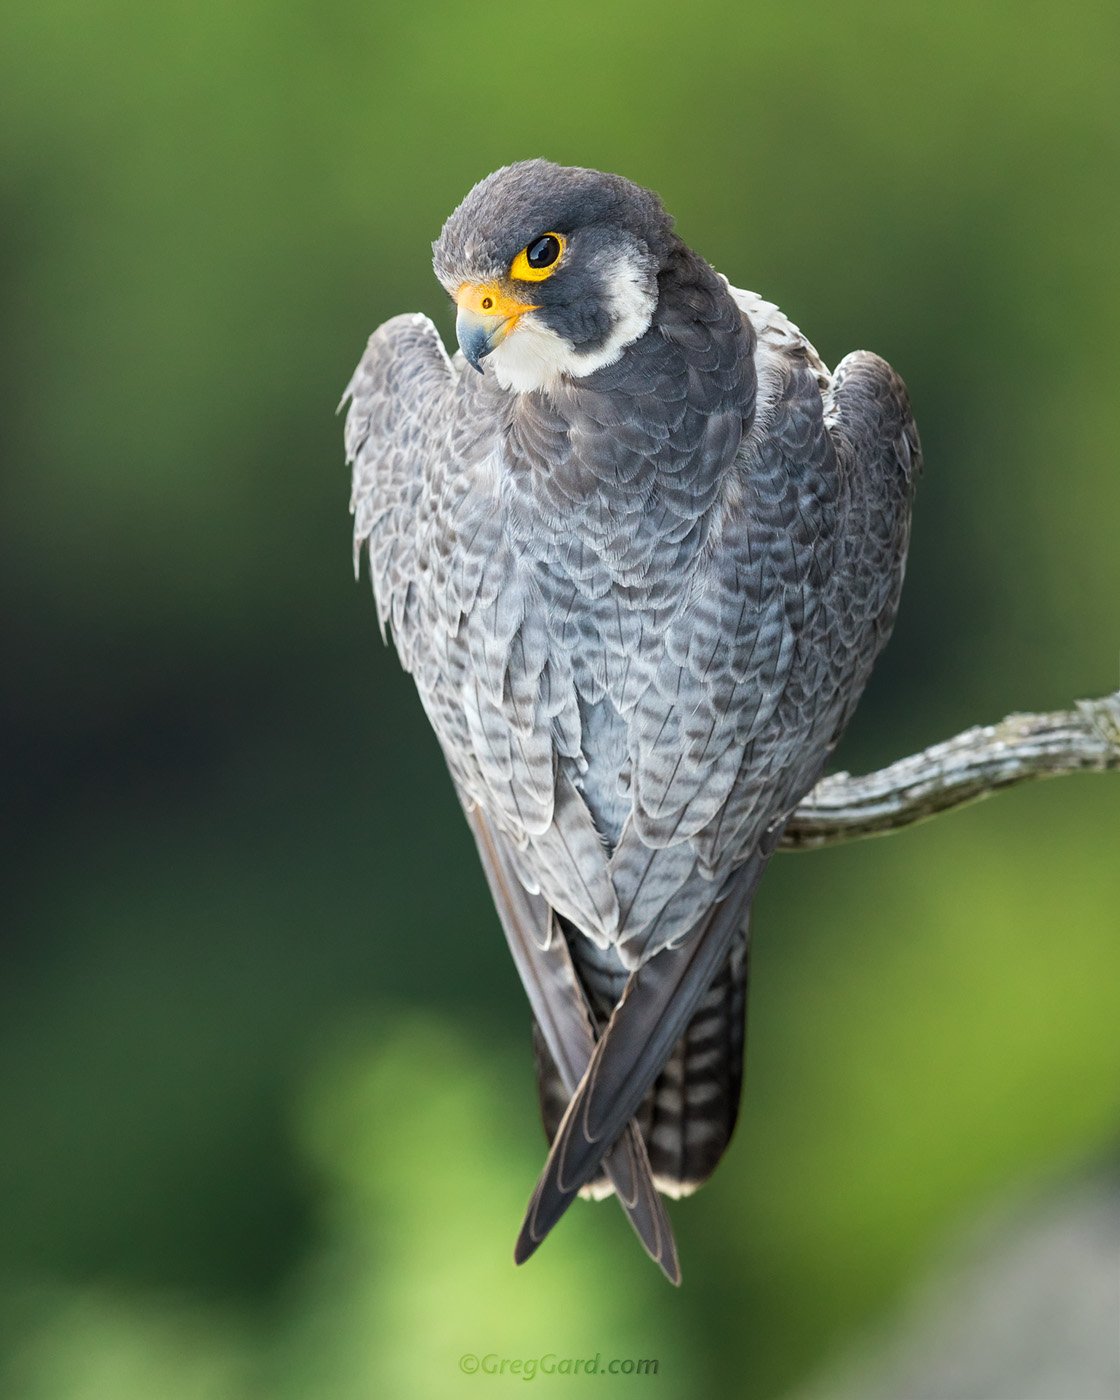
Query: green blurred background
{"x": 266, "y": 1096}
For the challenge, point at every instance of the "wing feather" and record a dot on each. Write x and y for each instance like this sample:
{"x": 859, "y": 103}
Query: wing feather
{"x": 561, "y": 1012}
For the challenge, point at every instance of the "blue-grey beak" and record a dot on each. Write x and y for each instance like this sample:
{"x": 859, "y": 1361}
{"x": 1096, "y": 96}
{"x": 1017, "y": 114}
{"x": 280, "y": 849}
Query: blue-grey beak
{"x": 478, "y": 335}
{"x": 488, "y": 311}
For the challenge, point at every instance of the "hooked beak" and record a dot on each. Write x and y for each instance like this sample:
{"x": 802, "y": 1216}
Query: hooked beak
{"x": 486, "y": 316}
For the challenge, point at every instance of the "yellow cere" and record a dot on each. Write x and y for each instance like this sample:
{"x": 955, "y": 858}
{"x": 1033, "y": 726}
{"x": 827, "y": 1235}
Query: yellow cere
{"x": 490, "y": 299}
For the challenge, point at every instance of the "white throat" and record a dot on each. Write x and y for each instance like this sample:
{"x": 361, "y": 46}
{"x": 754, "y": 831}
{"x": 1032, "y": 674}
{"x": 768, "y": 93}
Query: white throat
{"x": 534, "y": 357}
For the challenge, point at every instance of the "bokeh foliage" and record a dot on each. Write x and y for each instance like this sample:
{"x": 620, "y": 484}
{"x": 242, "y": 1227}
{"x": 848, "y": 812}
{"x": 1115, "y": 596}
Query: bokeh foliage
{"x": 266, "y": 1099}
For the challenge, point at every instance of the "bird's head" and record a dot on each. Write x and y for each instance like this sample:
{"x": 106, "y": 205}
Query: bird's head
{"x": 553, "y": 269}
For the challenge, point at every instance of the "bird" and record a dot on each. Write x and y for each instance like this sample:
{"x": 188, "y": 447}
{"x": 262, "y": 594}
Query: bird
{"x": 639, "y": 549}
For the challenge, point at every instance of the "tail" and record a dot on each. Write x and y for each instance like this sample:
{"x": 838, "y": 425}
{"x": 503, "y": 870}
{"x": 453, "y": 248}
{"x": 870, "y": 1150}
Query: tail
{"x": 688, "y": 1116}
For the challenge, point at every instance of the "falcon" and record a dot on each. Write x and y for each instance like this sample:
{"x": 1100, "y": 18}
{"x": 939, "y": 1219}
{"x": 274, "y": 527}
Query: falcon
{"x": 639, "y": 550}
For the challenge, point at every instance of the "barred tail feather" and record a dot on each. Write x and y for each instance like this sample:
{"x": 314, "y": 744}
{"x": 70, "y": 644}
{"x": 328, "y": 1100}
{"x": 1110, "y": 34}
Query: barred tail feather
{"x": 688, "y": 1116}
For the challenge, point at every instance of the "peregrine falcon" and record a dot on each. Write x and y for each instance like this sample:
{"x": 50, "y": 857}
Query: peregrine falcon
{"x": 639, "y": 549}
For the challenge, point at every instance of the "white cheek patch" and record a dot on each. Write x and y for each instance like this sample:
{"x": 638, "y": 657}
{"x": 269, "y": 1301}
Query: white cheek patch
{"x": 633, "y": 301}
{"x": 534, "y": 357}
{"x": 531, "y": 357}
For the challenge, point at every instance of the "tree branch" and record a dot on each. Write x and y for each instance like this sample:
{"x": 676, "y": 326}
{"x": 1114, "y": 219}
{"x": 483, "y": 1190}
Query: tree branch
{"x": 962, "y": 769}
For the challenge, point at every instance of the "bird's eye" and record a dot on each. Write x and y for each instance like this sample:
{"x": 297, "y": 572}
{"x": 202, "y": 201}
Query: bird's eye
{"x": 539, "y": 259}
{"x": 544, "y": 252}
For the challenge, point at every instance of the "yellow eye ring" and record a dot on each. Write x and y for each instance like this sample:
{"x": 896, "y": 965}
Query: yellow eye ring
{"x": 539, "y": 259}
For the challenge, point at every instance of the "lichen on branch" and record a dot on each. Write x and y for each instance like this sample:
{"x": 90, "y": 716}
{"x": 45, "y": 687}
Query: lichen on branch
{"x": 963, "y": 769}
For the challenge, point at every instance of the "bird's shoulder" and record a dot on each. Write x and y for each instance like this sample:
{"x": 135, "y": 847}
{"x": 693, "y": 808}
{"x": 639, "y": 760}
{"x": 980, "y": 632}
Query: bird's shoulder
{"x": 853, "y": 429}
{"x": 777, "y": 336}
{"x": 412, "y": 442}
{"x": 871, "y": 424}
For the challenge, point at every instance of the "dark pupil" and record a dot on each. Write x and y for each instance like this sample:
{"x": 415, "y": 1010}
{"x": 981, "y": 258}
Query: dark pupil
{"x": 544, "y": 252}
